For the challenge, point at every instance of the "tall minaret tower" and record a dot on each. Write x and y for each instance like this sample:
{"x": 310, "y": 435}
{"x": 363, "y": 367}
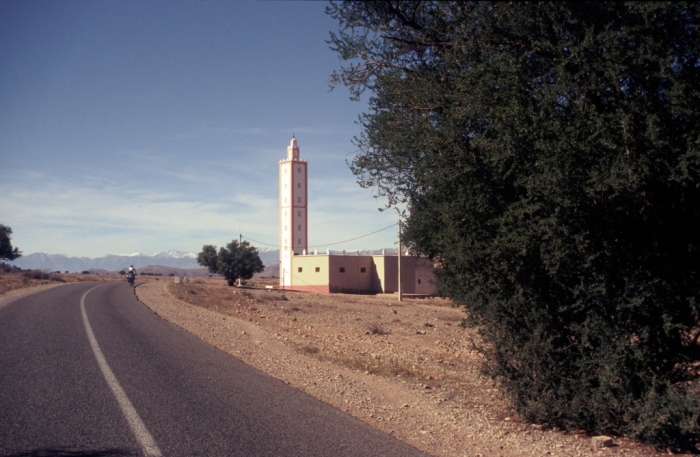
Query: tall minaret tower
{"x": 294, "y": 232}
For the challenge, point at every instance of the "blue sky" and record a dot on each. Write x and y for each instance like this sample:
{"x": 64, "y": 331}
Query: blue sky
{"x": 143, "y": 126}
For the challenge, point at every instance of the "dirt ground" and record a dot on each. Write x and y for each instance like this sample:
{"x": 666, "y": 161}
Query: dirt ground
{"x": 407, "y": 368}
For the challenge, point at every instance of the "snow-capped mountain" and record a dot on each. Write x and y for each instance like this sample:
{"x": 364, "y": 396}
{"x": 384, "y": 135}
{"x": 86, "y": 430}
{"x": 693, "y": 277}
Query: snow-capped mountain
{"x": 110, "y": 262}
{"x": 172, "y": 258}
{"x": 171, "y": 253}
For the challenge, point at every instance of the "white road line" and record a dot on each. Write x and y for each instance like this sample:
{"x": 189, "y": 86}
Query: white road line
{"x": 145, "y": 440}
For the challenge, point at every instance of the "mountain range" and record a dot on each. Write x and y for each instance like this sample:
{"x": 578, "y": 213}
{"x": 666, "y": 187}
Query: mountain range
{"x": 110, "y": 262}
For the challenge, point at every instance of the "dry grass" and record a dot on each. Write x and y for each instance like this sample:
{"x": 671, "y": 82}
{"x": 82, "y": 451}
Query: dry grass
{"x": 33, "y": 278}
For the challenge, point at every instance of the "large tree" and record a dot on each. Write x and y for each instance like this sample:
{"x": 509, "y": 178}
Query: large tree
{"x": 7, "y": 252}
{"x": 232, "y": 262}
{"x": 549, "y": 158}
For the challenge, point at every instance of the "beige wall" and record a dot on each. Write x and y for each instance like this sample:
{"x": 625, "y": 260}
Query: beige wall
{"x": 308, "y": 278}
{"x": 379, "y": 275}
{"x": 425, "y": 279}
{"x": 353, "y": 279}
{"x": 416, "y": 275}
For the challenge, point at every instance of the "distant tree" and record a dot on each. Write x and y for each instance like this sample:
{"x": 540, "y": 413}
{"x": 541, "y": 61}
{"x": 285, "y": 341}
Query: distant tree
{"x": 232, "y": 262}
{"x": 7, "y": 252}
{"x": 122, "y": 272}
{"x": 549, "y": 157}
{"x": 209, "y": 258}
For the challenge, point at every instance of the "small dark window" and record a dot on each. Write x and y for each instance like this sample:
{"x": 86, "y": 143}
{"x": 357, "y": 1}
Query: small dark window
{"x": 363, "y": 270}
{"x": 317, "y": 269}
{"x": 419, "y": 281}
{"x": 342, "y": 269}
{"x": 299, "y": 269}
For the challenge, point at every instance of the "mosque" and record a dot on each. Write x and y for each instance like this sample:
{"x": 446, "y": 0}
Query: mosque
{"x": 303, "y": 270}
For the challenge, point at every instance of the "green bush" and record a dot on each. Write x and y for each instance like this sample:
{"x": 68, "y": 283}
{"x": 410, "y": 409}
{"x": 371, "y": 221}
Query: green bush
{"x": 549, "y": 158}
{"x": 232, "y": 262}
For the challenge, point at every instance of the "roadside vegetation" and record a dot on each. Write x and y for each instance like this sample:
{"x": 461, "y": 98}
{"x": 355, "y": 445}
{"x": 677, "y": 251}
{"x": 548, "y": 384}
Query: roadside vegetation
{"x": 13, "y": 278}
{"x": 234, "y": 261}
{"x": 7, "y": 251}
{"x": 547, "y": 154}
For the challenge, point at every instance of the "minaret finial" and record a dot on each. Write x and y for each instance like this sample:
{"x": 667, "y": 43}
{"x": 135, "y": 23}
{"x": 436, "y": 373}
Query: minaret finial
{"x": 293, "y": 149}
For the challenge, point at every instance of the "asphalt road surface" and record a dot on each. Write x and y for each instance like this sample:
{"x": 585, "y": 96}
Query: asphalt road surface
{"x": 87, "y": 370}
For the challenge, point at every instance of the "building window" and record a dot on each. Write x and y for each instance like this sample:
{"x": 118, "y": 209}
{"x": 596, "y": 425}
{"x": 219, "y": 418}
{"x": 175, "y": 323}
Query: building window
{"x": 285, "y": 185}
{"x": 298, "y": 241}
{"x": 298, "y": 169}
{"x": 363, "y": 270}
{"x": 285, "y": 199}
{"x": 298, "y": 199}
{"x": 318, "y": 269}
{"x": 419, "y": 281}
{"x": 342, "y": 269}
{"x": 299, "y": 270}
{"x": 299, "y": 185}
{"x": 298, "y": 213}
{"x": 298, "y": 227}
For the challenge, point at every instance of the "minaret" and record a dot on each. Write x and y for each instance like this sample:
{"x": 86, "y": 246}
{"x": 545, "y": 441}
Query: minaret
{"x": 293, "y": 211}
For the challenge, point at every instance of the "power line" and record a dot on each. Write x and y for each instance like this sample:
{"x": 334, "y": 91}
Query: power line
{"x": 260, "y": 242}
{"x": 353, "y": 239}
{"x": 327, "y": 244}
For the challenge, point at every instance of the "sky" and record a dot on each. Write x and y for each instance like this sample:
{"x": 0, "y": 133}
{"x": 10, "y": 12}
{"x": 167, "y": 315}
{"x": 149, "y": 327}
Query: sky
{"x": 145, "y": 126}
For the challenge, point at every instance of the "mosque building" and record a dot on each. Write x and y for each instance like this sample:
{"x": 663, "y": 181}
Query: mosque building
{"x": 303, "y": 270}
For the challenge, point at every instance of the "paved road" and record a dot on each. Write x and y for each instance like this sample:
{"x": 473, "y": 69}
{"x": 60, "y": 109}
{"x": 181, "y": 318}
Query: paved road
{"x": 86, "y": 370}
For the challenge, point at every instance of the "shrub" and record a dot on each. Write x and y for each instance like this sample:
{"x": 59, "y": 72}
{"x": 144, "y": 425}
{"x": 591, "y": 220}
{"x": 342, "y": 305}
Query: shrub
{"x": 547, "y": 154}
{"x": 376, "y": 329}
{"x": 36, "y": 274}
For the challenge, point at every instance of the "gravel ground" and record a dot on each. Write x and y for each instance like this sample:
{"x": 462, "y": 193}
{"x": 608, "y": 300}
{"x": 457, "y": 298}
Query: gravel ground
{"x": 406, "y": 368}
